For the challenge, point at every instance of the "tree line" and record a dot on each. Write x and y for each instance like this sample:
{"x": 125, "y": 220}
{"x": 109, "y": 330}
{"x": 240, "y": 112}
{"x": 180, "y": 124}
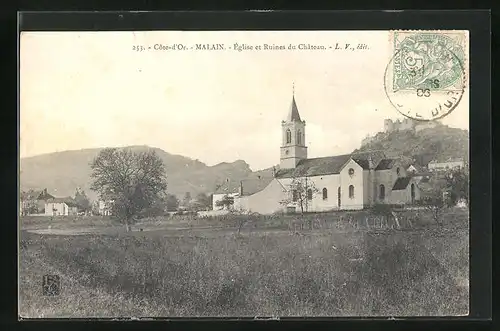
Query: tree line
{"x": 136, "y": 185}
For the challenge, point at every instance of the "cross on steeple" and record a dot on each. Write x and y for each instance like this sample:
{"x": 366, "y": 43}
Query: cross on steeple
{"x": 293, "y": 89}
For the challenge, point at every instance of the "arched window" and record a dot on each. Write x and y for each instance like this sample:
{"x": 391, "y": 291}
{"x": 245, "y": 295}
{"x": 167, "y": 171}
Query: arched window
{"x": 294, "y": 195}
{"x": 351, "y": 191}
{"x": 325, "y": 193}
{"x": 382, "y": 192}
{"x": 299, "y": 137}
{"x": 288, "y": 136}
{"x": 309, "y": 194}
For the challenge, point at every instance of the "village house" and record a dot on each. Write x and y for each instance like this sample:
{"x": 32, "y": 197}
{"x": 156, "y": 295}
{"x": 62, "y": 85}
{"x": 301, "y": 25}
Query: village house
{"x": 343, "y": 182}
{"x": 105, "y": 207}
{"x": 238, "y": 189}
{"x": 43, "y": 197}
{"x": 34, "y": 202}
{"x": 61, "y": 207}
{"x": 449, "y": 164}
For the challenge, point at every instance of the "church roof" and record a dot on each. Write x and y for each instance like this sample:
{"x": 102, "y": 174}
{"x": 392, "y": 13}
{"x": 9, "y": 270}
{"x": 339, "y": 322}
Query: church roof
{"x": 385, "y": 164}
{"x": 293, "y": 115}
{"x": 401, "y": 183}
{"x": 327, "y": 165}
{"x": 363, "y": 163}
{"x": 315, "y": 167}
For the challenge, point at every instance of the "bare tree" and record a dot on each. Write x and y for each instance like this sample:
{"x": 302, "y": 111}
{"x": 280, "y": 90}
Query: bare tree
{"x": 82, "y": 200}
{"x": 226, "y": 202}
{"x": 133, "y": 181}
{"x": 436, "y": 204}
{"x": 436, "y": 198}
{"x": 301, "y": 192}
{"x": 458, "y": 185}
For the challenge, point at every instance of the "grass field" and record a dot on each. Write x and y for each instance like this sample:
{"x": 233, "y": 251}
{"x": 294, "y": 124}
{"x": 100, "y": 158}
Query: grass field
{"x": 266, "y": 270}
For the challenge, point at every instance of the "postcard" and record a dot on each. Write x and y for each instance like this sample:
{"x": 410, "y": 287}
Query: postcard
{"x": 244, "y": 174}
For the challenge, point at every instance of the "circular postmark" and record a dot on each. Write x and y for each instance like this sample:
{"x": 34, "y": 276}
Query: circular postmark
{"x": 425, "y": 79}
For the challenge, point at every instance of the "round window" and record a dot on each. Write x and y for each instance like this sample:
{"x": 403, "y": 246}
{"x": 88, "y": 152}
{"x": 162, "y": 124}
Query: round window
{"x": 351, "y": 171}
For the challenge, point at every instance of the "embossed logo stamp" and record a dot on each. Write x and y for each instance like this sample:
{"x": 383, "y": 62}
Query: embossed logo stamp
{"x": 51, "y": 285}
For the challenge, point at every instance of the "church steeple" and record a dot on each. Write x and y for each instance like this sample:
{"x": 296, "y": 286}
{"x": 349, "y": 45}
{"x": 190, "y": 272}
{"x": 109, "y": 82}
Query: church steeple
{"x": 293, "y": 148}
{"x": 293, "y": 114}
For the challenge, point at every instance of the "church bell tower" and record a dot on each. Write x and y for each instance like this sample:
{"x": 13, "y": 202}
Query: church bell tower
{"x": 293, "y": 147}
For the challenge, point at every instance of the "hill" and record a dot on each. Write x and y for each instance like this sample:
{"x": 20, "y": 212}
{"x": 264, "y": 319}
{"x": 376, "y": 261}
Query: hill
{"x": 62, "y": 172}
{"x": 438, "y": 143}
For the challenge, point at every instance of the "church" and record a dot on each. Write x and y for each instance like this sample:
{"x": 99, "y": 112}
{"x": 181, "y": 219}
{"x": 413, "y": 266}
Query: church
{"x": 342, "y": 182}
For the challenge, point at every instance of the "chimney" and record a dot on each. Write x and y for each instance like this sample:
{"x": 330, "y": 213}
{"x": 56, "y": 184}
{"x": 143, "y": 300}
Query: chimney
{"x": 241, "y": 188}
{"x": 274, "y": 171}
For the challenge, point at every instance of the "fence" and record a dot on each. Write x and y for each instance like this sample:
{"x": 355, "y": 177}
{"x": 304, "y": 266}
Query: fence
{"x": 401, "y": 219}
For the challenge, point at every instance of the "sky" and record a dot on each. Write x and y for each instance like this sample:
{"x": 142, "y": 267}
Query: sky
{"x": 92, "y": 89}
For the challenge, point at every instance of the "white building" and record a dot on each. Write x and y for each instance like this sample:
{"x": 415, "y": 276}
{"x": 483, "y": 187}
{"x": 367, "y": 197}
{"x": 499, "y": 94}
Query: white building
{"x": 61, "y": 207}
{"x": 343, "y": 182}
{"x": 450, "y": 164}
{"x": 105, "y": 208}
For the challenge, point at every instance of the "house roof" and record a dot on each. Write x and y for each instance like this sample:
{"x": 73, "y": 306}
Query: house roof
{"x": 68, "y": 200}
{"x": 419, "y": 169}
{"x": 401, "y": 183}
{"x": 42, "y": 195}
{"x": 327, "y": 165}
{"x": 293, "y": 115}
{"x": 231, "y": 186}
{"x": 252, "y": 184}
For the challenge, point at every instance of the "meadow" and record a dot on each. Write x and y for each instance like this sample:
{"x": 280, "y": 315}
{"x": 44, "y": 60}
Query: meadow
{"x": 338, "y": 264}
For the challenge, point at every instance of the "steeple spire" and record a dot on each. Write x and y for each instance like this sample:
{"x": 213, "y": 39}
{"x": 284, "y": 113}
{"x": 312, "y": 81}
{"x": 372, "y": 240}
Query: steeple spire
{"x": 293, "y": 115}
{"x": 293, "y": 147}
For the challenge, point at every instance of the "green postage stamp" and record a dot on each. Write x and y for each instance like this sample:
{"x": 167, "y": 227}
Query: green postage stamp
{"x": 427, "y": 74}
{"x": 422, "y": 58}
